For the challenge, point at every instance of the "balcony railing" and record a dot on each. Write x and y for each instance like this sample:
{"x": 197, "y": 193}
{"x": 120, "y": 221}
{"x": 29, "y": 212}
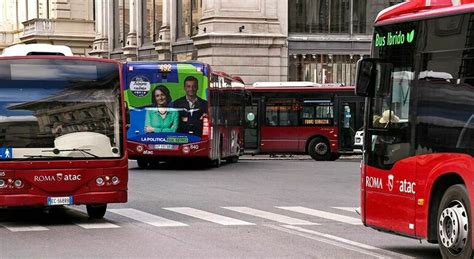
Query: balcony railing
{"x": 38, "y": 27}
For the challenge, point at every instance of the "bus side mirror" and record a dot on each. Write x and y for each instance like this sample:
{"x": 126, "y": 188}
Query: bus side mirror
{"x": 373, "y": 74}
{"x": 365, "y": 73}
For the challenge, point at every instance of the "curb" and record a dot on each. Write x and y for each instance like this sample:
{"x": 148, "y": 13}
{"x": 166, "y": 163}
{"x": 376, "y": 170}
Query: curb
{"x": 294, "y": 157}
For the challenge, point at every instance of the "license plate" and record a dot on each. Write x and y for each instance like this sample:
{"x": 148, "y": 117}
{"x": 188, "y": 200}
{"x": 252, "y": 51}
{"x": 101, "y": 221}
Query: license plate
{"x": 60, "y": 200}
{"x": 164, "y": 146}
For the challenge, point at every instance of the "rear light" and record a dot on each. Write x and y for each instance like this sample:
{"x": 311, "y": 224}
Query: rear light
{"x": 99, "y": 181}
{"x": 205, "y": 128}
{"x": 186, "y": 149}
{"x": 18, "y": 183}
{"x": 139, "y": 149}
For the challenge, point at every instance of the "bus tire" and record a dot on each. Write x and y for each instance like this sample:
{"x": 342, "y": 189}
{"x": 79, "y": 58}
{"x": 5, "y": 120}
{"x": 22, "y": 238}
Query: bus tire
{"x": 233, "y": 159}
{"x": 216, "y": 163}
{"x": 96, "y": 211}
{"x": 454, "y": 223}
{"x": 335, "y": 156}
{"x": 319, "y": 149}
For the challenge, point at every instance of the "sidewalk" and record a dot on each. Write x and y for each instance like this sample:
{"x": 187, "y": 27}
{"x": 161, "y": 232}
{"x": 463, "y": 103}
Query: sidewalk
{"x": 295, "y": 157}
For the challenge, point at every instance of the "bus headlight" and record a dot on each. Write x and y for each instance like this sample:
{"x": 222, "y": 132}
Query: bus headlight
{"x": 115, "y": 180}
{"x": 2, "y": 183}
{"x": 18, "y": 183}
{"x": 99, "y": 181}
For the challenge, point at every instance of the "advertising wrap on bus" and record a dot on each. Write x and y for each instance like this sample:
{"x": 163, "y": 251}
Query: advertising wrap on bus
{"x": 166, "y": 103}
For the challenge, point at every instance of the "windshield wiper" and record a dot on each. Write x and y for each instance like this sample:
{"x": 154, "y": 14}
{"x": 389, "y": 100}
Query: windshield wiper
{"x": 28, "y": 157}
{"x": 56, "y": 151}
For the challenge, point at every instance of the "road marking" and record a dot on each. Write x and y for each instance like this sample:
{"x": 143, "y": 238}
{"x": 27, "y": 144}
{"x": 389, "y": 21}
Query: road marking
{"x": 147, "y": 218}
{"x": 324, "y": 214}
{"x": 96, "y": 225}
{"x": 339, "y": 242}
{"x": 271, "y": 216}
{"x": 21, "y": 227}
{"x": 204, "y": 215}
{"x": 350, "y": 209}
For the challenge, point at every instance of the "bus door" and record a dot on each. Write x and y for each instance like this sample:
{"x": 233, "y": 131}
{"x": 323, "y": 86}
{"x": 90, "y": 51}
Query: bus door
{"x": 349, "y": 121}
{"x": 390, "y": 172}
{"x": 251, "y": 125}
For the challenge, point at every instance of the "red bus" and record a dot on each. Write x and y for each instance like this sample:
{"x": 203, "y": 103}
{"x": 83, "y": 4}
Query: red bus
{"x": 302, "y": 117}
{"x": 417, "y": 172}
{"x": 182, "y": 111}
{"x": 62, "y": 138}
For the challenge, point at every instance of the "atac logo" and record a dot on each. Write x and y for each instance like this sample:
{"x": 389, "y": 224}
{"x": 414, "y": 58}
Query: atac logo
{"x": 57, "y": 178}
{"x": 390, "y": 182}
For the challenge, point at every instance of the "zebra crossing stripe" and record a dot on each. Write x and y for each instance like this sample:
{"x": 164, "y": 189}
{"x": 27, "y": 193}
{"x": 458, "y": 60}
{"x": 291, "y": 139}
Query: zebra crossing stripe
{"x": 147, "y": 218}
{"x": 350, "y": 209}
{"x": 271, "y": 216}
{"x": 21, "y": 227}
{"x": 96, "y": 225}
{"x": 204, "y": 215}
{"x": 324, "y": 214}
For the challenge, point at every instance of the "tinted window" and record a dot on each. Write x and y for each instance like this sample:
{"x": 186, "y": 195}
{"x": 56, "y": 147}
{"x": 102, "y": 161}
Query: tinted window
{"x": 282, "y": 112}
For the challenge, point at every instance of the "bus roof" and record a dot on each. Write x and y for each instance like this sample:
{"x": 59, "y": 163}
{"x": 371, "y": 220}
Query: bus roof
{"x": 417, "y": 9}
{"x": 298, "y": 87}
{"x": 286, "y": 84}
{"x": 37, "y": 49}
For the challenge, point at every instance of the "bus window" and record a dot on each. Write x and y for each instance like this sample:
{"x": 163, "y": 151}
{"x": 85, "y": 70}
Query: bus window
{"x": 281, "y": 112}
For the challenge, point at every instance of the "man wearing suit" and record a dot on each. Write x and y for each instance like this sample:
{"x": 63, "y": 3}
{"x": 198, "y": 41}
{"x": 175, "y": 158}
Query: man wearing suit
{"x": 191, "y": 108}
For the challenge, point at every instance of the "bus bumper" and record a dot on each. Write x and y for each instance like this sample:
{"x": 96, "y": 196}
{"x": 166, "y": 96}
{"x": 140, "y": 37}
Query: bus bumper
{"x": 26, "y": 200}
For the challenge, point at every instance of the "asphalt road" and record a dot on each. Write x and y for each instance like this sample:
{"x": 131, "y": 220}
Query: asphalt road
{"x": 254, "y": 208}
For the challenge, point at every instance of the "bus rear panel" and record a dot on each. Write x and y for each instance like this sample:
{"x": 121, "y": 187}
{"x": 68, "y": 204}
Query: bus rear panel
{"x": 173, "y": 111}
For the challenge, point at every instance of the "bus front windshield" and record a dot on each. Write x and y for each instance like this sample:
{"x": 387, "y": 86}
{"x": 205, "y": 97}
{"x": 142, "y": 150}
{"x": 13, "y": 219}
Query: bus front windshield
{"x": 59, "y": 109}
{"x": 389, "y": 106}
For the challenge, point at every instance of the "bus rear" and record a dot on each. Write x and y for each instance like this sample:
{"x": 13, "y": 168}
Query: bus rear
{"x": 61, "y": 133}
{"x": 168, "y": 111}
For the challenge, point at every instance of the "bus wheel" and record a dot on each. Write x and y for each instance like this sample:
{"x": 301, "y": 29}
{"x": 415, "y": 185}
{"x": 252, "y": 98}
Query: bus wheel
{"x": 319, "y": 149}
{"x": 335, "y": 156}
{"x": 96, "y": 211}
{"x": 454, "y": 223}
{"x": 233, "y": 159}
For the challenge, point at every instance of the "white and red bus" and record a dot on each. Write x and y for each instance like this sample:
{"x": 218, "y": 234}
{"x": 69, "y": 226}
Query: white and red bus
{"x": 182, "y": 111}
{"x": 418, "y": 167}
{"x": 302, "y": 118}
{"x": 62, "y": 138}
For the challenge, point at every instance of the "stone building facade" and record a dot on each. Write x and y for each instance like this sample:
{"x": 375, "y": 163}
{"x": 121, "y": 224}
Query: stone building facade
{"x": 259, "y": 40}
{"x": 59, "y": 22}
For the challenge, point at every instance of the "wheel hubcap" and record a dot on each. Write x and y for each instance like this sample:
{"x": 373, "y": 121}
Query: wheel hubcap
{"x": 321, "y": 148}
{"x": 453, "y": 227}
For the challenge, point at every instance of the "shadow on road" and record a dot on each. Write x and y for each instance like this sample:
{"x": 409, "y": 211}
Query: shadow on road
{"x": 417, "y": 252}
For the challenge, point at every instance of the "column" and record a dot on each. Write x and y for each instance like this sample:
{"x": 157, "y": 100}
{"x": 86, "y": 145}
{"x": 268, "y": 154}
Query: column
{"x": 163, "y": 41}
{"x": 245, "y": 38}
{"x": 100, "y": 46}
{"x": 130, "y": 50}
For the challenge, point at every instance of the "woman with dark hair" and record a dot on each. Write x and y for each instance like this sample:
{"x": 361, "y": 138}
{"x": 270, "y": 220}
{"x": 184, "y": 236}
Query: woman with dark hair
{"x": 161, "y": 118}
